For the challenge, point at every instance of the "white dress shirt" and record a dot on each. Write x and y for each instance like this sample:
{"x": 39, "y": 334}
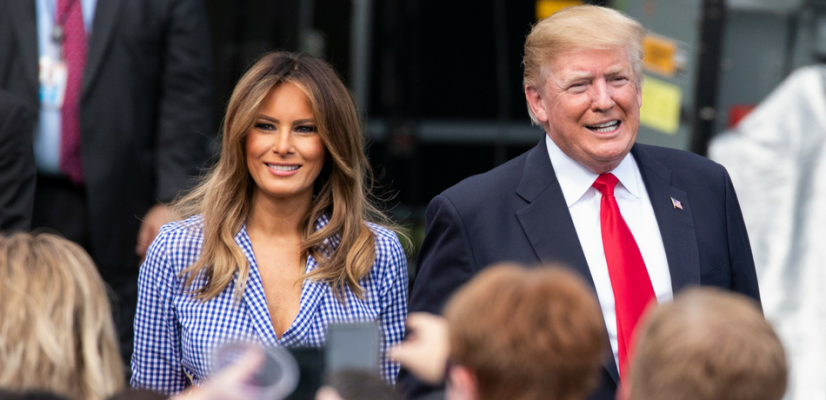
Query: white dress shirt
{"x": 48, "y": 130}
{"x": 632, "y": 198}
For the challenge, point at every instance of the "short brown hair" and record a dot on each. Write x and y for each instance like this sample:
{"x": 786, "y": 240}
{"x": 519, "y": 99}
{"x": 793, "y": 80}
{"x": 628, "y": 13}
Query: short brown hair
{"x": 527, "y": 333}
{"x": 56, "y": 328}
{"x": 708, "y": 344}
{"x": 580, "y": 27}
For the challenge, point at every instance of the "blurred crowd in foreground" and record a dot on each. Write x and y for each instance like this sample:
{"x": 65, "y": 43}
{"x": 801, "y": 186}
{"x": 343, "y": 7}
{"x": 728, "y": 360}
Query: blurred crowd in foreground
{"x": 281, "y": 237}
{"x": 510, "y": 333}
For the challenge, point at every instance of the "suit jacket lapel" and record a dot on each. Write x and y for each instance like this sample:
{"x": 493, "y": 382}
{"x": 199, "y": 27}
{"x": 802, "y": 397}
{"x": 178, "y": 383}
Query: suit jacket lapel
{"x": 103, "y": 28}
{"x": 676, "y": 225}
{"x": 25, "y": 27}
{"x": 548, "y": 224}
{"x": 546, "y": 220}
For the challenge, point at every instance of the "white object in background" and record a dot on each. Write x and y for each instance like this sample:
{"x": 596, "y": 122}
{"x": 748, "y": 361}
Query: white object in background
{"x": 776, "y": 157}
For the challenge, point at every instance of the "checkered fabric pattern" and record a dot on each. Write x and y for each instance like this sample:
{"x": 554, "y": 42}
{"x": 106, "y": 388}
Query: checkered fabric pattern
{"x": 176, "y": 335}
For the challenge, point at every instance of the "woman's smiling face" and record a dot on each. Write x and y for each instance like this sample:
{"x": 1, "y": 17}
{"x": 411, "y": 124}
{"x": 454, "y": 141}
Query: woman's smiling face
{"x": 285, "y": 153}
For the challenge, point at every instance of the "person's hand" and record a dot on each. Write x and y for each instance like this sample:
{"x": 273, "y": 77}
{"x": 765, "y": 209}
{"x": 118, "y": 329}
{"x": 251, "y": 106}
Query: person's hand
{"x": 155, "y": 218}
{"x": 229, "y": 384}
{"x": 327, "y": 393}
{"x": 425, "y": 350}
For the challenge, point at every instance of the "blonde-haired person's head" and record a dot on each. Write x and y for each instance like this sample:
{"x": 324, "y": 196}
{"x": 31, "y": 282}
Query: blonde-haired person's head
{"x": 56, "y": 329}
{"x": 711, "y": 345}
{"x": 527, "y": 334}
{"x": 342, "y": 190}
{"x": 583, "y": 27}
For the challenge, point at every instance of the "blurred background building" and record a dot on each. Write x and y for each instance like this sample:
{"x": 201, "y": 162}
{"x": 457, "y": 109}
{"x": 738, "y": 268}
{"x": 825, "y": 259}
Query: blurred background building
{"x": 439, "y": 82}
{"x": 439, "y": 85}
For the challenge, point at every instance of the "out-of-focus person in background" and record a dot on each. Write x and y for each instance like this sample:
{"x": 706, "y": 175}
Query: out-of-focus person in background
{"x": 17, "y": 168}
{"x": 638, "y": 222}
{"x": 356, "y": 385}
{"x": 56, "y": 329}
{"x": 708, "y": 345}
{"x": 123, "y": 89}
{"x": 33, "y": 395}
{"x": 57, "y": 336}
{"x": 513, "y": 333}
{"x": 280, "y": 239}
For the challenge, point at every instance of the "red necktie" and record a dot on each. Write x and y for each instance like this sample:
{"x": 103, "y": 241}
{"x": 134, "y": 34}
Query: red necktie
{"x": 629, "y": 278}
{"x": 74, "y": 53}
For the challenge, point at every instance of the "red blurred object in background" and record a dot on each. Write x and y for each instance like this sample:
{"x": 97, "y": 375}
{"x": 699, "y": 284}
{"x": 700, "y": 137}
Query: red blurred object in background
{"x": 738, "y": 112}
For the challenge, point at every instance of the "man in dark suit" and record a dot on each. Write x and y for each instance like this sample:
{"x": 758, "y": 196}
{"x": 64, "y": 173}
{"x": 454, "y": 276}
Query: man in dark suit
{"x": 638, "y": 222}
{"x": 17, "y": 171}
{"x": 123, "y": 89}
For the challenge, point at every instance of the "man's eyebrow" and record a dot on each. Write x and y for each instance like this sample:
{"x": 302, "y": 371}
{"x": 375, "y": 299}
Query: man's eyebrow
{"x": 576, "y": 76}
{"x": 615, "y": 70}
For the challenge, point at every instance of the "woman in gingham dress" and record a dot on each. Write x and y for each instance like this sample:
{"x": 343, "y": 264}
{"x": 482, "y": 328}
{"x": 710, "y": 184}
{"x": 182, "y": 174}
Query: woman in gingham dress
{"x": 280, "y": 238}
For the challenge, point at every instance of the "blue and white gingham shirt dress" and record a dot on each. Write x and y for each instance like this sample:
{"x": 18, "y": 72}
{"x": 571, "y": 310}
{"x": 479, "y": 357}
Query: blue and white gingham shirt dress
{"x": 176, "y": 334}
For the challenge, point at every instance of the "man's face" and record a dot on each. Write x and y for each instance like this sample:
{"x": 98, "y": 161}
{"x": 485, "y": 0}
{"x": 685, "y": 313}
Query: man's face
{"x": 589, "y": 104}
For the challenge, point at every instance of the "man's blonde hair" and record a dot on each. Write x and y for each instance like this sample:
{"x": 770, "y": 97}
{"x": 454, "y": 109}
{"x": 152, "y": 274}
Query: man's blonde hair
{"x": 711, "y": 345}
{"x": 56, "y": 329}
{"x": 527, "y": 334}
{"x": 579, "y": 27}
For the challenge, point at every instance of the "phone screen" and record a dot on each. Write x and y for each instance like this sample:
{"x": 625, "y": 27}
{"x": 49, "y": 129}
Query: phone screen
{"x": 352, "y": 346}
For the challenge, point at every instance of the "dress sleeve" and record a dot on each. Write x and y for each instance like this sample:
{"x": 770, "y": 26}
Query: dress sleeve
{"x": 394, "y": 302}
{"x": 156, "y": 361}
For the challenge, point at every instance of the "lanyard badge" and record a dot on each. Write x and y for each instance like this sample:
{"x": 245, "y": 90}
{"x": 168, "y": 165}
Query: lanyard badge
{"x": 53, "y": 72}
{"x": 53, "y": 76}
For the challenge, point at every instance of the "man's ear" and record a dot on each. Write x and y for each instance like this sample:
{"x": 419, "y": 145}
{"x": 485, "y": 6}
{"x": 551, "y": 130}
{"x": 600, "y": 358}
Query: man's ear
{"x": 534, "y": 98}
{"x": 461, "y": 384}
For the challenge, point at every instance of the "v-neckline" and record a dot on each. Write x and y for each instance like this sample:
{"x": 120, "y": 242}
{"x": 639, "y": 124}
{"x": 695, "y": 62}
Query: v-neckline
{"x": 256, "y": 300}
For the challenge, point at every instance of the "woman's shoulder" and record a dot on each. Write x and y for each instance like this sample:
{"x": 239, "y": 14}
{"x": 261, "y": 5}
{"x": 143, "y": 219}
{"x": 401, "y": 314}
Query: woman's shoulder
{"x": 177, "y": 242}
{"x": 386, "y": 238}
{"x": 390, "y": 256}
{"x": 183, "y": 229}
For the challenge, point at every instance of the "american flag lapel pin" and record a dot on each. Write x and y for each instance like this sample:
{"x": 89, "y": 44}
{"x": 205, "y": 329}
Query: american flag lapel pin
{"x": 676, "y": 203}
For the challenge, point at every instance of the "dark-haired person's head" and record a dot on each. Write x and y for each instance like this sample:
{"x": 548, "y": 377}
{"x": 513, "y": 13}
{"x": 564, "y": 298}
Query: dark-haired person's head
{"x": 519, "y": 333}
{"x": 710, "y": 345}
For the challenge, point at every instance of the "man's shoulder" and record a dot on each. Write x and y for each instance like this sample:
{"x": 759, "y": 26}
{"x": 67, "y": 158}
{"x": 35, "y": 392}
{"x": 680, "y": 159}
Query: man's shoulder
{"x": 678, "y": 161}
{"x": 488, "y": 186}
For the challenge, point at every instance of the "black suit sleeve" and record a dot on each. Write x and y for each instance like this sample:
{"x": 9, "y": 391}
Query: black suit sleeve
{"x": 445, "y": 259}
{"x": 17, "y": 168}
{"x": 445, "y": 263}
{"x": 743, "y": 274}
{"x": 184, "y": 111}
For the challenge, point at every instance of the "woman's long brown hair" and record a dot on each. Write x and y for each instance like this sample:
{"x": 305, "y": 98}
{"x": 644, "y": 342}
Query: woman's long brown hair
{"x": 342, "y": 190}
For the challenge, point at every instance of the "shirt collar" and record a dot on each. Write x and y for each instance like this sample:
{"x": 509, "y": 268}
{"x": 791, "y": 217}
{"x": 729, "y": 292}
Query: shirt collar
{"x": 575, "y": 180}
